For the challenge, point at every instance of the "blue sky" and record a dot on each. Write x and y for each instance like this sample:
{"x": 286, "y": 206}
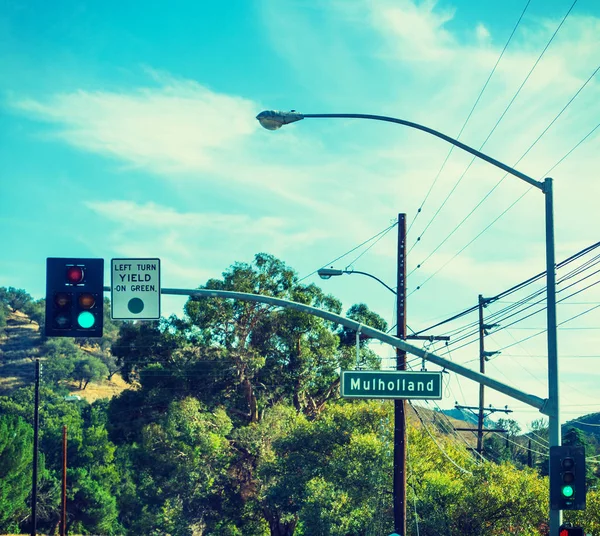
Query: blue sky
{"x": 128, "y": 130}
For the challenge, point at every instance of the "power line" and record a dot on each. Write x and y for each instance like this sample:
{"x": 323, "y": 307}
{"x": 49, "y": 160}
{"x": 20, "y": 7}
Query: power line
{"x": 462, "y": 469}
{"x": 512, "y": 289}
{"x": 543, "y": 331}
{"x": 493, "y": 130}
{"x": 462, "y": 129}
{"x": 571, "y": 150}
{"x": 350, "y": 251}
{"x": 374, "y": 242}
{"x": 501, "y": 180}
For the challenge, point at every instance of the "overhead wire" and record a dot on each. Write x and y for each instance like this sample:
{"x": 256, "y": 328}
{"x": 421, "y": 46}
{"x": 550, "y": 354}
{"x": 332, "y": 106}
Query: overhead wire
{"x": 367, "y": 249}
{"x": 352, "y": 250}
{"x": 493, "y": 130}
{"x": 464, "y": 125}
{"x": 442, "y": 450}
{"x": 560, "y": 324}
{"x": 509, "y": 291}
{"x": 528, "y": 316}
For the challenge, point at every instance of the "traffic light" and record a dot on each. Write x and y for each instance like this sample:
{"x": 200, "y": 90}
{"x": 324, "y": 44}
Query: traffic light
{"x": 567, "y": 478}
{"x": 568, "y": 530}
{"x": 74, "y": 297}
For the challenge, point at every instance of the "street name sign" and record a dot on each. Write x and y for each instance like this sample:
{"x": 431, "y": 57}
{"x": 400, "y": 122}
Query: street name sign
{"x": 391, "y": 384}
{"x": 135, "y": 289}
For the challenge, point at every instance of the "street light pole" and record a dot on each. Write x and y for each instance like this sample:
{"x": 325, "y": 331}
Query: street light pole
{"x": 272, "y": 120}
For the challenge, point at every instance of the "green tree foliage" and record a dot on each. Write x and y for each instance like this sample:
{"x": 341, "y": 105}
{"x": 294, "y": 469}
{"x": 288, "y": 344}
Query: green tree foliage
{"x": 459, "y": 497}
{"x": 89, "y": 369}
{"x": 181, "y": 469}
{"x": 36, "y": 311}
{"x": 320, "y": 474}
{"x": 276, "y": 355}
{"x": 93, "y": 478}
{"x": 16, "y": 298}
{"x": 233, "y": 425}
{"x": 16, "y": 455}
{"x": 3, "y": 317}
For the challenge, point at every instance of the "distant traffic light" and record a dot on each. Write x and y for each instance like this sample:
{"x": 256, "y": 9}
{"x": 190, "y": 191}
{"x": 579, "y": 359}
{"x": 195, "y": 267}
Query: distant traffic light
{"x": 567, "y": 478}
{"x": 74, "y": 297}
{"x": 568, "y": 530}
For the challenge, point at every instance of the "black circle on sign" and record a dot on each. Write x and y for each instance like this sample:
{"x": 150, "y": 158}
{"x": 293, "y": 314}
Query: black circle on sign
{"x": 135, "y": 306}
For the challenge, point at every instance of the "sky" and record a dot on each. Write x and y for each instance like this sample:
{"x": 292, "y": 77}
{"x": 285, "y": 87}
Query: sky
{"x": 128, "y": 130}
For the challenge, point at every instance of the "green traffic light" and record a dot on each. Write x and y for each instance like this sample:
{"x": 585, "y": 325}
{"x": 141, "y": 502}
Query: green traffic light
{"x": 567, "y": 491}
{"x": 86, "y": 320}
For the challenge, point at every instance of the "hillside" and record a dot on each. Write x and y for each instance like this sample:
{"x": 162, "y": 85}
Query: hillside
{"x": 588, "y": 424}
{"x": 22, "y": 344}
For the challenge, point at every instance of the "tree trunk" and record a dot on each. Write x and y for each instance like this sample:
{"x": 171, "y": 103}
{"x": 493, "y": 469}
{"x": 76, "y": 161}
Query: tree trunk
{"x": 279, "y": 528}
{"x": 250, "y": 399}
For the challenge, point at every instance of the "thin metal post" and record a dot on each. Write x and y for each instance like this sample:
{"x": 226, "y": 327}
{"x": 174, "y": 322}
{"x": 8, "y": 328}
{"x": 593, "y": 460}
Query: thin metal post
{"x": 400, "y": 405}
{"x": 63, "y": 514}
{"x": 482, "y": 370}
{"x": 36, "y": 425}
{"x": 553, "y": 391}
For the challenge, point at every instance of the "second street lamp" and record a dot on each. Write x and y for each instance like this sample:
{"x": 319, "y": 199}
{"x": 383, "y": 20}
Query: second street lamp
{"x": 272, "y": 120}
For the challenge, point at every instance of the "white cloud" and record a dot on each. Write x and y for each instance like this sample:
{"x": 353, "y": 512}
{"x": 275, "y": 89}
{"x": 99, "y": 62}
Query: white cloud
{"x": 174, "y": 128}
{"x": 482, "y": 33}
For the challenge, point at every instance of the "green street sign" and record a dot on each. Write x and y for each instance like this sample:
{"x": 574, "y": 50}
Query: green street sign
{"x": 391, "y": 384}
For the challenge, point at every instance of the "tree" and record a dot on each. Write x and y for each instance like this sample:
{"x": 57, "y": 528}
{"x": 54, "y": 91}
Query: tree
{"x": 16, "y": 455}
{"x": 62, "y": 355}
{"x": 276, "y": 354}
{"x": 181, "y": 470}
{"x": 319, "y": 474}
{"x": 36, "y": 311}
{"x": 15, "y": 298}
{"x": 3, "y": 315}
{"x": 89, "y": 369}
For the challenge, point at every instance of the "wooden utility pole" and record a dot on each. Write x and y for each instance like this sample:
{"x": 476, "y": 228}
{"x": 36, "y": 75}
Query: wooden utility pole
{"x": 36, "y": 425}
{"x": 63, "y": 511}
{"x": 483, "y": 357}
{"x": 400, "y": 405}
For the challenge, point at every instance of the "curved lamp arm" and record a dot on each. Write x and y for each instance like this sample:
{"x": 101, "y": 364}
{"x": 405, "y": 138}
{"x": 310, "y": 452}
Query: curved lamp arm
{"x": 274, "y": 119}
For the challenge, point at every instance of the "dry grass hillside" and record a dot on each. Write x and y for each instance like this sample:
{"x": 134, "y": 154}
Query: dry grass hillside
{"x": 21, "y": 346}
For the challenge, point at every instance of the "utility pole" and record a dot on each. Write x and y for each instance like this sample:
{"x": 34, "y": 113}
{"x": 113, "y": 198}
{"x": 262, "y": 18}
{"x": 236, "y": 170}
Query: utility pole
{"x": 399, "y": 493}
{"x": 36, "y": 425}
{"x": 63, "y": 513}
{"x": 400, "y": 405}
{"x": 483, "y": 357}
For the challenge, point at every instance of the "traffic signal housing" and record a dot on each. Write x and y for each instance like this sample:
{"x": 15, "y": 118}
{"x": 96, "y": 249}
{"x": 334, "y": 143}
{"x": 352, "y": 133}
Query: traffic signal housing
{"x": 568, "y": 530}
{"x": 74, "y": 297}
{"x": 567, "y": 478}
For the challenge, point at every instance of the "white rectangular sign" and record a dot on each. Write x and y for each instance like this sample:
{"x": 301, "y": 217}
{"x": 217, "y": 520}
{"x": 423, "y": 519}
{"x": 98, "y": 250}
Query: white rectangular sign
{"x": 135, "y": 289}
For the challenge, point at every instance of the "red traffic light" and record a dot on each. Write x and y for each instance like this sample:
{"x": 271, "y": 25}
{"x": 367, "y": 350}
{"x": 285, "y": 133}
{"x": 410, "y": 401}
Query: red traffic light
{"x": 74, "y": 274}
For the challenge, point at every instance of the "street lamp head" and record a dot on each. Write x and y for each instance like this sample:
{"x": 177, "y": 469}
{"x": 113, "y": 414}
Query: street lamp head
{"x": 326, "y": 273}
{"x": 274, "y": 119}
